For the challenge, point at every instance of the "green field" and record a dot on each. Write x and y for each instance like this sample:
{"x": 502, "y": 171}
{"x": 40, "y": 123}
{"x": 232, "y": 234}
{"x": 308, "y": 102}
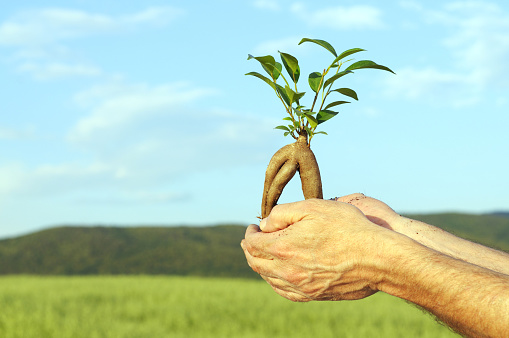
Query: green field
{"x": 163, "y": 306}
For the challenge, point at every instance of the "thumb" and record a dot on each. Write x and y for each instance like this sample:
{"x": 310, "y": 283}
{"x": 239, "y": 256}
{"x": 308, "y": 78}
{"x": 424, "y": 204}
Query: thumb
{"x": 282, "y": 216}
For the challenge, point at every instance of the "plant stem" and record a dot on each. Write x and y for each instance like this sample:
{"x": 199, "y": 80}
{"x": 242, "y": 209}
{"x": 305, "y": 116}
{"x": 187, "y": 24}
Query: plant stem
{"x": 320, "y": 85}
{"x": 328, "y": 91}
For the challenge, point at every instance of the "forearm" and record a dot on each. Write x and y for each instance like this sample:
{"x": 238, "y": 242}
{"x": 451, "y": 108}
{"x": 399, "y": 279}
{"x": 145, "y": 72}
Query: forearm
{"x": 472, "y": 300}
{"x": 428, "y": 235}
{"x": 448, "y": 244}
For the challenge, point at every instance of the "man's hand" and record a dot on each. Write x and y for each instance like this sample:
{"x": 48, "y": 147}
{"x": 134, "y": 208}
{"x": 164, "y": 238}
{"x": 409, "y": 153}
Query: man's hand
{"x": 376, "y": 211}
{"x": 330, "y": 250}
{"x": 429, "y": 235}
{"x": 318, "y": 250}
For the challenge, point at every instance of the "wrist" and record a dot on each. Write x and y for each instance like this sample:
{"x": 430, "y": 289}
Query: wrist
{"x": 393, "y": 249}
{"x": 403, "y": 266}
{"x": 422, "y": 233}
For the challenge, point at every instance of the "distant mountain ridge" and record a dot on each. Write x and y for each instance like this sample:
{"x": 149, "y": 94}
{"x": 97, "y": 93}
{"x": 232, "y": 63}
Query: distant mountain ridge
{"x": 499, "y": 213}
{"x": 199, "y": 251}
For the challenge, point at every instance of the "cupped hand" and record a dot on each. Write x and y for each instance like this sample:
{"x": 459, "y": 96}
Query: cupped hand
{"x": 317, "y": 250}
{"x": 376, "y": 211}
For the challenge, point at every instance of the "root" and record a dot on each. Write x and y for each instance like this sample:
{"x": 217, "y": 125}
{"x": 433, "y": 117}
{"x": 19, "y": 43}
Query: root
{"x": 309, "y": 174}
{"x": 276, "y": 162}
{"x": 282, "y": 178}
{"x": 283, "y": 166}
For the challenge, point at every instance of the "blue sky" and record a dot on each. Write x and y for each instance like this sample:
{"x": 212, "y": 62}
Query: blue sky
{"x": 136, "y": 113}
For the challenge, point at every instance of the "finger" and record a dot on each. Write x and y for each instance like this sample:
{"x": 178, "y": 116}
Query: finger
{"x": 284, "y": 289}
{"x": 351, "y": 199}
{"x": 262, "y": 266}
{"x": 278, "y": 283}
{"x": 293, "y": 296}
{"x": 252, "y": 229}
{"x": 282, "y": 216}
{"x": 257, "y": 243}
{"x": 254, "y": 250}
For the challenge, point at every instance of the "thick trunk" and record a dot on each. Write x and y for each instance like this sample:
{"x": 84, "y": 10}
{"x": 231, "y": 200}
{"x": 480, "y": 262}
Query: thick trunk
{"x": 283, "y": 166}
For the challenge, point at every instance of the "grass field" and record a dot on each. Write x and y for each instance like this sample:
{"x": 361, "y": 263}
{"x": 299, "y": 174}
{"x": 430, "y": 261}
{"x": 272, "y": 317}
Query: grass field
{"x": 162, "y": 306}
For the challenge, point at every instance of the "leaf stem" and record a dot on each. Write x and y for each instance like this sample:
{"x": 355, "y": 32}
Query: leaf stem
{"x": 319, "y": 86}
{"x": 324, "y": 97}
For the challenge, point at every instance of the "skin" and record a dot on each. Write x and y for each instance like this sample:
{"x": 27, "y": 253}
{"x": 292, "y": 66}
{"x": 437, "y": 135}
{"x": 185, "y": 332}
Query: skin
{"x": 356, "y": 246}
{"x": 283, "y": 166}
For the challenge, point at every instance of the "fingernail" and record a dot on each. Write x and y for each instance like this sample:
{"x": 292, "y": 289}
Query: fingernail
{"x": 262, "y": 224}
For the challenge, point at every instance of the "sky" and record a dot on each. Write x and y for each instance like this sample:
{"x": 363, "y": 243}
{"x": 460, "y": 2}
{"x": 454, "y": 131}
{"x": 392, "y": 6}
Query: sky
{"x": 140, "y": 113}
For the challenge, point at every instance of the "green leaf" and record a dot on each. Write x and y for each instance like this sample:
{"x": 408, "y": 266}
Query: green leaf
{"x": 346, "y": 53}
{"x": 283, "y": 94}
{"x": 314, "y": 81}
{"x": 277, "y": 70}
{"x": 290, "y": 93}
{"x": 325, "y": 115}
{"x": 258, "y": 75}
{"x": 337, "y": 76}
{"x": 299, "y": 96}
{"x": 336, "y": 103}
{"x": 322, "y": 43}
{"x": 268, "y": 63}
{"x": 311, "y": 120}
{"x": 367, "y": 64}
{"x": 348, "y": 92}
{"x": 320, "y": 132}
{"x": 292, "y": 66}
{"x": 283, "y": 128}
{"x": 286, "y": 133}
{"x": 310, "y": 133}
{"x": 287, "y": 119}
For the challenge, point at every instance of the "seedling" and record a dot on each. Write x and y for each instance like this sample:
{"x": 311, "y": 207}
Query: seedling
{"x": 302, "y": 122}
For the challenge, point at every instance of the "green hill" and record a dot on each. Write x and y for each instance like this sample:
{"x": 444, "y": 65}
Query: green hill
{"x": 199, "y": 251}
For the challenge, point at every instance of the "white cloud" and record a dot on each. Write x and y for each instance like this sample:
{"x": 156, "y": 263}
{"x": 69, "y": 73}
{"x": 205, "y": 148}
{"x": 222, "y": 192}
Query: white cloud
{"x": 287, "y": 45}
{"x": 16, "y": 134}
{"x": 56, "y": 70}
{"x": 340, "y": 17}
{"x": 156, "y": 133}
{"x": 54, "y": 24}
{"x": 153, "y": 15}
{"x": 136, "y": 198}
{"x": 411, "y": 4}
{"x": 138, "y": 141}
{"x": 271, "y": 5}
{"x": 122, "y": 105}
{"x": 49, "y": 179}
{"x": 480, "y": 42}
{"x": 476, "y": 36}
{"x": 38, "y": 36}
{"x": 433, "y": 86}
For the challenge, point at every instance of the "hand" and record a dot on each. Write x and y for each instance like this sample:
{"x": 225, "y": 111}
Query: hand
{"x": 429, "y": 235}
{"x": 376, "y": 211}
{"x": 317, "y": 250}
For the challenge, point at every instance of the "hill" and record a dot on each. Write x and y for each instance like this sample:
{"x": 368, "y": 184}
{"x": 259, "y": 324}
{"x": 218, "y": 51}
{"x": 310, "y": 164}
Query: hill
{"x": 199, "y": 251}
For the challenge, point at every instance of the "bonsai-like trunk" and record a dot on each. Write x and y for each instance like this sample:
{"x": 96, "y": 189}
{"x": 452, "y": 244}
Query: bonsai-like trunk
{"x": 283, "y": 166}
